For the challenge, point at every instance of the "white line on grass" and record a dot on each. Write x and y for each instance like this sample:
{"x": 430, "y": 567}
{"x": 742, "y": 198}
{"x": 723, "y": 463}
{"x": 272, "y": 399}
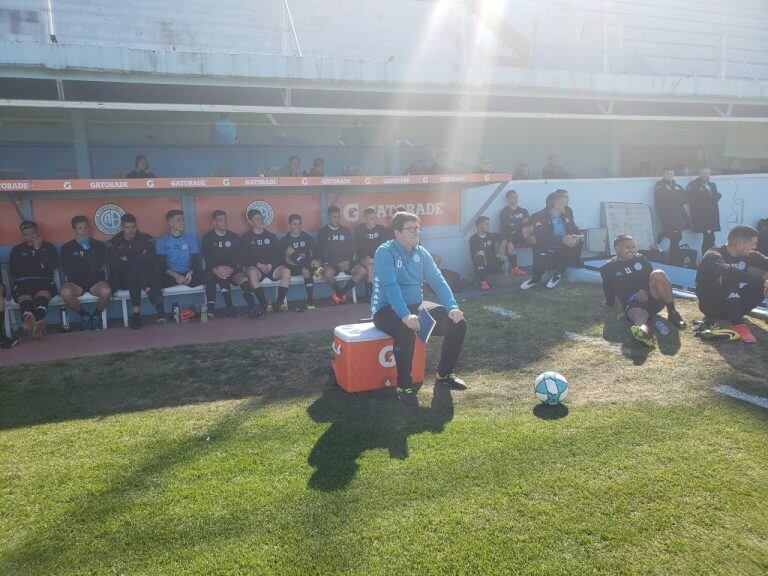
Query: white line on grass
{"x": 597, "y": 342}
{"x": 739, "y": 395}
{"x": 511, "y": 314}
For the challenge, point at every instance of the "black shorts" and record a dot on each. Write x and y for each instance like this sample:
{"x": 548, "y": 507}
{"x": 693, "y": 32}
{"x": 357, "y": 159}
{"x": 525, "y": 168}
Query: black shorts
{"x": 266, "y": 275}
{"x": 87, "y": 282}
{"x": 652, "y": 305}
{"x": 517, "y": 239}
{"x": 33, "y": 286}
{"x": 335, "y": 266}
{"x": 298, "y": 270}
{"x": 122, "y": 279}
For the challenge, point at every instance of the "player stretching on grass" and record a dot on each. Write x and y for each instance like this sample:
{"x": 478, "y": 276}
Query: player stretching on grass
{"x": 732, "y": 280}
{"x": 402, "y": 266}
{"x": 642, "y": 291}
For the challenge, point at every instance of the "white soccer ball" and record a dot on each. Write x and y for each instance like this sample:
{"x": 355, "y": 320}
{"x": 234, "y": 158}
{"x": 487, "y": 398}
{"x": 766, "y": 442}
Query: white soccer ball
{"x": 551, "y": 388}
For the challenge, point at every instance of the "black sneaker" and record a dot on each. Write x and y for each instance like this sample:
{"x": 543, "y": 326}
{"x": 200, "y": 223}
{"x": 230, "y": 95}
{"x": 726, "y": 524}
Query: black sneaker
{"x": 676, "y": 320}
{"x": 7, "y": 343}
{"x": 134, "y": 322}
{"x": 254, "y": 313}
{"x": 451, "y": 381}
{"x": 407, "y": 396}
{"x": 232, "y": 313}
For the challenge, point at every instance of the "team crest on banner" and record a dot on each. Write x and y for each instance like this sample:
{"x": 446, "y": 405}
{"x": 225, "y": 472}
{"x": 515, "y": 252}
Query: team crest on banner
{"x": 266, "y": 211}
{"x": 107, "y": 218}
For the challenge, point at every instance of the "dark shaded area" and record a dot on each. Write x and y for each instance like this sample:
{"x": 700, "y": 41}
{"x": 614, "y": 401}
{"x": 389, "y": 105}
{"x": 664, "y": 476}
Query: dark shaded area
{"x": 547, "y": 412}
{"x": 368, "y": 421}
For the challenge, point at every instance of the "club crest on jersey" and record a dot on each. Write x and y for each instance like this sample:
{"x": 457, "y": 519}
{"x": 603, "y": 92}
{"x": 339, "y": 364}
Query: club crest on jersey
{"x": 267, "y": 212}
{"x": 638, "y": 266}
{"x": 107, "y": 218}
{"x": 228, "y": 244}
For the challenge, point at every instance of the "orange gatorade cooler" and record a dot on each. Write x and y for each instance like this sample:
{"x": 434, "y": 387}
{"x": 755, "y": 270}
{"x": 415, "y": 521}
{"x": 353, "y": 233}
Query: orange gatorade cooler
{"x": 363, "y": 358}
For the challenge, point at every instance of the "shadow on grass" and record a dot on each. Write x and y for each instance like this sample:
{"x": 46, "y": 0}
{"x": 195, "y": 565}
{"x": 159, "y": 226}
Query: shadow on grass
{"x": 749, "y": 359}
{"x": 547, "y": 412}
{"x": 368, "y": 421}
{"x": 271, "y": 369}
{"x": 617, "y": 330}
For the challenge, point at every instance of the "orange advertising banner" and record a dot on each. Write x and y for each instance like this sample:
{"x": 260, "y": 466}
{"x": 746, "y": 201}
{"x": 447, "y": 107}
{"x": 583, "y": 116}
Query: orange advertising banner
{"x": 53, "y": 216}
{"x": 243, "y": 182}
{"x": 433, "y": 207}
{"x": 275, "y": 209}
{"x": 9, "y": 223}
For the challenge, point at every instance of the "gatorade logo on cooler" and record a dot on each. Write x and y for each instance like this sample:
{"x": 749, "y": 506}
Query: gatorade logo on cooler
{"x": 107, "y": 218}
{"x": 387, "y": 357}
{"x": 336, "y": 348}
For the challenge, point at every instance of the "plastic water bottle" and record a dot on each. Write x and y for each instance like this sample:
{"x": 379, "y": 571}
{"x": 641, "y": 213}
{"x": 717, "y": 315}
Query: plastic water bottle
{"x": 204, "y": 313}
{"x": 64, "y": 320}
{"x": 661, "y": 327}
{"x": 176, "y": 312}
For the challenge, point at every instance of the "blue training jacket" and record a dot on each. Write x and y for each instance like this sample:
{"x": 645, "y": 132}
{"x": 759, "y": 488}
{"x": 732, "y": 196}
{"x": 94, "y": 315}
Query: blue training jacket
{"x": 400, "y": 275}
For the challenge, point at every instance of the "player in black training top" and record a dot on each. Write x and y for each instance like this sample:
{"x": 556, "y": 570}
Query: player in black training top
{"x": 300, "y": 254}
{"x": 84, "y": 262}
{"x": 515, "y": 228}
{"x": 732, "y": 280}
{"x": 336, "y": 248}
{"x": 368, "y": 236}
{"x": 221, "y": 251}
{"x": 262, "y": 259}
{"x": 488, "y": 251}
{"x": 132, "y": 260}
{"x": 33, "y": 263}
{"x": 641, "y": 290}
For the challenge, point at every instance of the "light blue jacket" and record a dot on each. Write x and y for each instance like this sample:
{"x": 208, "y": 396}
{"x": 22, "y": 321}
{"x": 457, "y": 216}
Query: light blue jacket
{"x": 400, "y": 275}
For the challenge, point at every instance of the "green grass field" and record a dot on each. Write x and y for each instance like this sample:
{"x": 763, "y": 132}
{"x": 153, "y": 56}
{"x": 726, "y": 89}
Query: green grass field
{"x": 238, "y": 458}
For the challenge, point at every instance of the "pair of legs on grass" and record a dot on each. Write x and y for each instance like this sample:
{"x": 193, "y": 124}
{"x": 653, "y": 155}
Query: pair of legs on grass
{"x": 641, "y": 307}
{"x": 732, "y": 302}
{"x": 555, "y": 258}
{"x": 404, "y": 341}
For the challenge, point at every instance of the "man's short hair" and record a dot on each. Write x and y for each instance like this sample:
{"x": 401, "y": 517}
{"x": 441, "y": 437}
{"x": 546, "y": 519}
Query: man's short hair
{"x": 668, "y": 169}
{"x": 368, "y": 211}
{"x": 252, "y": 212}
{"x": 622, "y": 238}
{"x": 293, "y": 217}
{"x": 401, "y": 217}
{"x": 292, "y": 158}
{"x": 171, "y": 213}
{"x": 216, "y": 213}
{"x": 79, "y": 219}
{"x": 127, "y": 217}
{"x": 741, "y": 234}
{"x": 334, "y": 210}
{"x": 509, "y": 193}
{"x": 480, "y": 220}
{"x": 704, "y": 167}
{"x": 27, "y": 225}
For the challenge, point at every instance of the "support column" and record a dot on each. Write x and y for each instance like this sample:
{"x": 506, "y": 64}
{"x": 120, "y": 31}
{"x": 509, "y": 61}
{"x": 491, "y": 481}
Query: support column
{"x": 80, "y": 139}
